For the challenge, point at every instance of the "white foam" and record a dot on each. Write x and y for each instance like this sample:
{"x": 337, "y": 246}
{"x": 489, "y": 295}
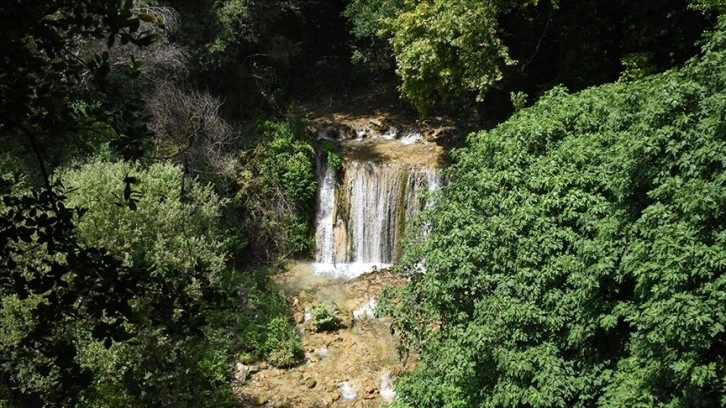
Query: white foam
{"x": 324, "y": 231}
{"x": 412, "y": 138}
{"x": 360, "y": 133}
{"x": 347, "y": 392}
{"x": 346, "y": 271}
{"x": 390, "y": 134}
{"x": 386, "y": 390}
{"x": 367, "y": 310}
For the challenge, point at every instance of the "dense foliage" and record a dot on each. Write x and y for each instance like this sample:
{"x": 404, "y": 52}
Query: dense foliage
{"x": 161, "y": 293}
{"x": 443, "y": 49}
{"x": 170, "y": 227}
{"x": 46, "y": 295}
{"x": 52, "y": 88}
{"x": 277, "y": 187}
{"x": 252, "y": 53}
{"x": 463, "y": 53}
{"x": 325, "y": 318}
{"x": 57, "y": 101}
{"x": 169, "y": 232}
{"x": 578, "y": 256}
{"x": 117, "y": 290}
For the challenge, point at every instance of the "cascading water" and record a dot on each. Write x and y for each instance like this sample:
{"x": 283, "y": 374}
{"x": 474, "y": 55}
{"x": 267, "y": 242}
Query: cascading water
{"x": 360, "y": 228}
{"x": 362, "y": 213}
{"x": 324, "y": 237}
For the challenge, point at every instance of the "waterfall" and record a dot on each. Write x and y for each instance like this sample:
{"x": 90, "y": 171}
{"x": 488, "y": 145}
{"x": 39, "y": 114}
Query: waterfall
{"x": 326, "y": 211}
{"x": 360, "y": 222}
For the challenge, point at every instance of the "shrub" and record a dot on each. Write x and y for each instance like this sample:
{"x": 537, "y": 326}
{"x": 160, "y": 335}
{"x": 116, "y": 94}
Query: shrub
{"x": 277, "y": 188}
{"x": 172, "y": 225}
{"x": 332, "y": 156}
{"x": 324, "y": 318}
{"x": 160, "y": 222}
{"x": 283, "y": 343}
{"x": 263, "y": 321}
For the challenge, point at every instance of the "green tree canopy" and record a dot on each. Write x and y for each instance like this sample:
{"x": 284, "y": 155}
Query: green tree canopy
{"x": 578, "y": 256}
{"x": 156, "y": 220}
{"x": 53, "y": 89}
{"x": 442, "y": 49}
{"x": 50, "y": 283}
{"x": 464, "y": 53}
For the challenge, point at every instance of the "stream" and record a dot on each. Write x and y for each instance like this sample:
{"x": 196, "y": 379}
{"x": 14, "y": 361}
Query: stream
{"x": 350, "y": 367}
{"x": 364, "y": 209}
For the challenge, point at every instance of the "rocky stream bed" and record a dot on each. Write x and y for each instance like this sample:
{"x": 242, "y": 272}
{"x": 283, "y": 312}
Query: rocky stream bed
{"x": 350, "y": 367}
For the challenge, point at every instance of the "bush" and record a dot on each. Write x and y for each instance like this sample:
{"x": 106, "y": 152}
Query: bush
{"x": 263, "y": 322}
{"x": 277, "y": 188}
{"x": 332, "y": 156}
{"x": 578, "y": 256}
{"x": 324, "y": 318}
{"x": 159, "y": 222}
{"x": 54, "y": 290}
{"x": 166, "y": 221}
{"x": 283, "y": 343}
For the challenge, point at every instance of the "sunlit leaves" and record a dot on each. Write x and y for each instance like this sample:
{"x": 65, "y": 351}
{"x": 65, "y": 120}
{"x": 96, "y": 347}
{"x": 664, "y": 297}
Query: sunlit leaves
{"x": 444, "y": 51}
{"x": 447, "y": 50}
{"x": 278, "y": 187}
{"x": 577, "y": 256}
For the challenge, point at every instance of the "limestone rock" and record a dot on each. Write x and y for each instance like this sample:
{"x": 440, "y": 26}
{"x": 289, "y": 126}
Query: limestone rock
{"x": 244, "y": 372}
{"x": 346, "y": 318}
{"x": 299, "y": 317}
{"x": 285, "y": 403}
{"x": 328, "y": 400}
{"x": 261, "y": 400}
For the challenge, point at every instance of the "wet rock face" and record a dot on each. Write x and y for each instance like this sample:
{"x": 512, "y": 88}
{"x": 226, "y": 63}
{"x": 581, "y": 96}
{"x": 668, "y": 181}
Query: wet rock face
{"x": 350, "y": 367}
{"x": 244, "y": 372}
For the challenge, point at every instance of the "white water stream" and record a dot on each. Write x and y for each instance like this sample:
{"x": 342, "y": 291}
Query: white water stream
{"x": 363, "y": 215}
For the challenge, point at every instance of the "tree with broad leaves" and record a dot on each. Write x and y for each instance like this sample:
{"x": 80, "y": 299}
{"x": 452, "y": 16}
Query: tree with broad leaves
{"x": 45, "y": 81}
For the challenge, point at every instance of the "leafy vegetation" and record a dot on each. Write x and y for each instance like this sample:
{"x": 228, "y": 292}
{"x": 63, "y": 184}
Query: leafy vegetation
{"x": 332, "y": 157}
{"x": 577, "y": 256}
{"x": 252, "y": 52}
{"x": 151, "y": 170}
{"x": 465, "y": 54}
{"x": 119, "y": 289}
{"x": 52, "y": 88}
{"x": 277, "y": 187}
{"x": 266, "y": 331}
{"x": 166, "y": 229}
{"x": 447, "y": 49}
{"x": 46, "y": 296}
{"x": 325, "y": 318}
{"x": 283, "y": 343}
{"x": 57, "y": 102}
{"x": 169, "y": 228}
